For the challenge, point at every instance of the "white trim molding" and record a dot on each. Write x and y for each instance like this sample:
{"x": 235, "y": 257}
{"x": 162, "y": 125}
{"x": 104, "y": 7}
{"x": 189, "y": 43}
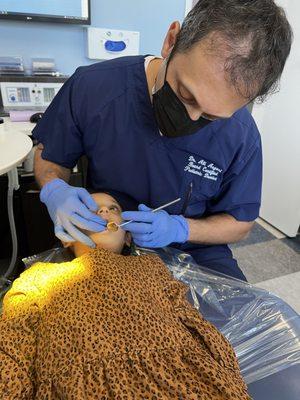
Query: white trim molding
{"x": 189, "y": 4}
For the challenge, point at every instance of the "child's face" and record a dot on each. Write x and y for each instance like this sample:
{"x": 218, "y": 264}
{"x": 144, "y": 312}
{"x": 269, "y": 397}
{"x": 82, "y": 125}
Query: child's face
{"x": 109, "y": 210}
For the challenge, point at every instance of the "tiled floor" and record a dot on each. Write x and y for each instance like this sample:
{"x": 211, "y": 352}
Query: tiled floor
{"x": 272, "y": 261}
{"x": 287, "y": 287}
{"x": 267, "y": 260}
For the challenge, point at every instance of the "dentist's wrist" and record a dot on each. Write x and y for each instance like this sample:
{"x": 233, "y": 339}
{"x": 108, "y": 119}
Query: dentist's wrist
{"x": 183, "y": 230}
{"x": 50, "y": 187}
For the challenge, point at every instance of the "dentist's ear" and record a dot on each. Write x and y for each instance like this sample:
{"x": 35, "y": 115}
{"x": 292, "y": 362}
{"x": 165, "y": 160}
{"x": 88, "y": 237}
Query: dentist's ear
{"x": 170, "y": 39}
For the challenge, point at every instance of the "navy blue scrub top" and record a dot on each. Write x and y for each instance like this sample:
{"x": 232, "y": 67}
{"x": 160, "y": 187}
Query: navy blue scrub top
{"x": 104, "y": 111}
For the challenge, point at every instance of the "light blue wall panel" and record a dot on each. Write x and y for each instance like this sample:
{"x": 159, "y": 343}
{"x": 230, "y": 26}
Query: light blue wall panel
{"x": 67, "y": 43}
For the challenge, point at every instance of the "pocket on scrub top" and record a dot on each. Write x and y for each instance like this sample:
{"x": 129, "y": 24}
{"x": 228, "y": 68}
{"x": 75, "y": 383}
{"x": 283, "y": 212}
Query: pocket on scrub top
{"x": 196, "y": 192}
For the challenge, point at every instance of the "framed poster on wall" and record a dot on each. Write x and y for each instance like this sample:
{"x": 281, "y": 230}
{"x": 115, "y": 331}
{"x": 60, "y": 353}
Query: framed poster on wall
{"x": 189, "y": 4}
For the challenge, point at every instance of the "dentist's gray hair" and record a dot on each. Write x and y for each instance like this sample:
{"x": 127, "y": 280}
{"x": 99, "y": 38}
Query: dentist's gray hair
{"x": 255, "y": 34}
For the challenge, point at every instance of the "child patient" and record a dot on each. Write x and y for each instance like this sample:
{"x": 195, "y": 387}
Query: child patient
{"x": 110, "y": 326}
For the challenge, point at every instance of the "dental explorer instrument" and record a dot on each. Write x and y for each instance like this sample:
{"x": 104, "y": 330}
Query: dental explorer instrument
{"x": 113, "y": 227}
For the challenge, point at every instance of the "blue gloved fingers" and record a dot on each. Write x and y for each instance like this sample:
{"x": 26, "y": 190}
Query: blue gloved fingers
{"x": 140, "y": 243}
{"x": 138, "y": 216}
{"x": 150, "y": 240}
{"x": 61, "y": 234}
{"x": 87, "y": 199}
{"x": 138, "y": 227}
{"x": 143, "y": 207}
{"x": 142, "y": 237}
{"x": 149, "y": 244}
{"x": 89, "y": 216}
{"x": 156, "y": 243}
{"x": 77, "y": 235}
{"x": 85, "y": 213}
{"x": 88, "y": 225}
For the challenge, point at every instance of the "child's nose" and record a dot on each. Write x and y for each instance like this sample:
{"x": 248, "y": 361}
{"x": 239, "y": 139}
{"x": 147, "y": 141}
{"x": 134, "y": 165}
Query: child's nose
{"x": 103, "y": 212}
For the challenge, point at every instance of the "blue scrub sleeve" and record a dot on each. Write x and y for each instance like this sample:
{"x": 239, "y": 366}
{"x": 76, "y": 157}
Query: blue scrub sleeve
{"x": 58, "y": 130}
{"x": 240, "y": 194}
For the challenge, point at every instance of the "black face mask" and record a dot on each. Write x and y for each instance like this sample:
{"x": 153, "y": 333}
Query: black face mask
{"x": 171, "y": 115}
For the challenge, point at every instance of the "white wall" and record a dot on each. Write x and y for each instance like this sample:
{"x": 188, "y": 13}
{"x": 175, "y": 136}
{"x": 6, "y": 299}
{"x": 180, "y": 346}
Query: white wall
{"x": 279, "y": 123}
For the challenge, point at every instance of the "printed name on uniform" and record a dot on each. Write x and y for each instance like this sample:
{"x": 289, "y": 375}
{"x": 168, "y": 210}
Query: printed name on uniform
{"x": 203, "y": 168}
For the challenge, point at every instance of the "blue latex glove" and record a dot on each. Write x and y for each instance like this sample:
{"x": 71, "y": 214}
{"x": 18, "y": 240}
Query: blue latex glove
{"x": 157, "y": 229}
{"x": 71, "y": 208}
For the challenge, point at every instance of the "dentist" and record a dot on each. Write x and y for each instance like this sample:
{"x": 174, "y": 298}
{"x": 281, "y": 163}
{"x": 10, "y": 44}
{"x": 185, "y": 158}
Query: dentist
{"x": 157, "y": 129}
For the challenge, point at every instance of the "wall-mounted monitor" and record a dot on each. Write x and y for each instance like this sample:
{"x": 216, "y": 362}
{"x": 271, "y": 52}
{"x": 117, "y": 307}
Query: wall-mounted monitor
{"x": 65, "y": 11}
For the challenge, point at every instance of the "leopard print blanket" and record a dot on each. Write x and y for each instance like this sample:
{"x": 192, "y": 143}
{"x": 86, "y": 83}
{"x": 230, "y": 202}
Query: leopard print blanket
{"x": 108, "y": 326}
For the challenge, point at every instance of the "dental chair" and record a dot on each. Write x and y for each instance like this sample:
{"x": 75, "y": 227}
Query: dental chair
{"x": 262, "y": 328}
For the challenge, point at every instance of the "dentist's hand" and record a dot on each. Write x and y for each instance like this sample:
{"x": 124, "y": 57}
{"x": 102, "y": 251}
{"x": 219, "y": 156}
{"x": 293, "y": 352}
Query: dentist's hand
{"x": 71, "y": 208}
{"x": 157, "y": 229}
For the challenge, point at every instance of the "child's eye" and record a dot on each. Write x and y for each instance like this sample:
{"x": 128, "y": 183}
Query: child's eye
{"x": 114, "y": 208}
